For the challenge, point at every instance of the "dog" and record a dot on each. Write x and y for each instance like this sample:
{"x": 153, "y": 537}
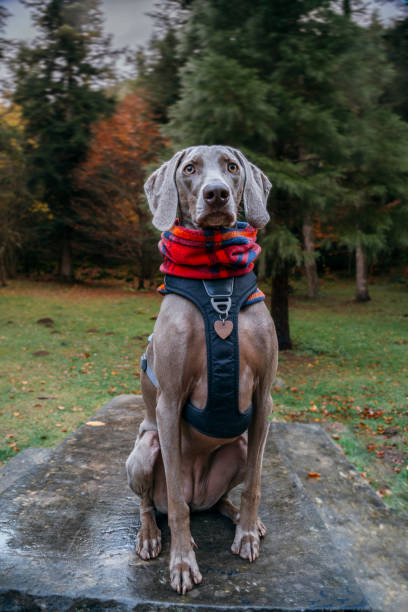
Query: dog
{"x": 174, "y": 468}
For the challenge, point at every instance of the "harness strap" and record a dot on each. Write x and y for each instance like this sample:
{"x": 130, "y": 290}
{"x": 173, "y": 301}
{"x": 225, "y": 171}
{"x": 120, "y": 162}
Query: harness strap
{"x": 144, "y": 365}
{"x": 216, "y": 299}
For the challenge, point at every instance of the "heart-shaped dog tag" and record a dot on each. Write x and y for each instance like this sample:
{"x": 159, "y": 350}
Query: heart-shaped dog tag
{"x": 223, "y": 328}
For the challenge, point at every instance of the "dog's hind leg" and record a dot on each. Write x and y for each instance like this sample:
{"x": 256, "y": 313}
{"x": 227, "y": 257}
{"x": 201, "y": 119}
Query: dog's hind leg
{"x": 227, "y": 508}
{"x": 140, "y": 468}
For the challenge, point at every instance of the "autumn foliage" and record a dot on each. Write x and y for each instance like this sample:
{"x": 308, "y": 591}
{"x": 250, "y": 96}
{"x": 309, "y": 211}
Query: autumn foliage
{"x": 111, "y": 210}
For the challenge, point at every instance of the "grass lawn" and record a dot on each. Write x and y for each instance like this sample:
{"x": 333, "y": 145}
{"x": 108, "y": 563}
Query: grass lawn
{"x": 348, "y": 370}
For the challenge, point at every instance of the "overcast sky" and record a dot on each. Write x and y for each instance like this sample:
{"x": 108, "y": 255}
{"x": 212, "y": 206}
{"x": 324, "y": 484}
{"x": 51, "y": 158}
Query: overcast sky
{"x": 127, "y": 21}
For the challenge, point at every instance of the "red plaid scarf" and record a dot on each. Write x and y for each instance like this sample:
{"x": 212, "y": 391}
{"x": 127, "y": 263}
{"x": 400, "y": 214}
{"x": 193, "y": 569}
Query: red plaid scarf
{"x": 219, "y": 253}
{"x": 208, "y": 253}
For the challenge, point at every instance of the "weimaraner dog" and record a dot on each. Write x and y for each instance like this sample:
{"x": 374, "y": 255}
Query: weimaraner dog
{"x": 173, "y": 467}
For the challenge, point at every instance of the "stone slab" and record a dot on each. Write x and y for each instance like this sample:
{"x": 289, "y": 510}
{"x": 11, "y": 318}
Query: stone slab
{"x": 22, "y": 464}
{"x": 67, "y": 533}
{"x": 371, "y": 539}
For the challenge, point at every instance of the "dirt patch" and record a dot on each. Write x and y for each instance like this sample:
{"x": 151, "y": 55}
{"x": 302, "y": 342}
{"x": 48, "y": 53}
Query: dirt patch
{"x": 391, "y": 455}
{"x": 46, "y": 321}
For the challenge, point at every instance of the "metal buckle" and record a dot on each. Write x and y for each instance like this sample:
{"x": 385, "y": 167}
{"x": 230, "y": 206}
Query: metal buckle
{"x": 222, "y": 306}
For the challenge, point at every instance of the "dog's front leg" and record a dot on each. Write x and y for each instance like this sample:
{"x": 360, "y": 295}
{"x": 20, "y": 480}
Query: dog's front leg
{"x": 184, "y": 572}
{"x": 250, "y": 529}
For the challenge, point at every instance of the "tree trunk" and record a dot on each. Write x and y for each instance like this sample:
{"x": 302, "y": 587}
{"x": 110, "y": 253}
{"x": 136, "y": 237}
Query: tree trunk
{"x": 66, "y": 267}
{"x": 280, "y": 307}
{"x": 2, "y": 268}
{"x": 262, "y": 266}
{"x": 347, "y": 8}
{"x": 310, "y": 261}
{"x": 362, "y": 294}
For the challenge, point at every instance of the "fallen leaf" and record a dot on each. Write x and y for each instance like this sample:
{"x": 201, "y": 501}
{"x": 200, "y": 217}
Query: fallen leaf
{"x": 391, "y": 431}
{"x": 95, "y": 423}
{"x": 384, "y": 491}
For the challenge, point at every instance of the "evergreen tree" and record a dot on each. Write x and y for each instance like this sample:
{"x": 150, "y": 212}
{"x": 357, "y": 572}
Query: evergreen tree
{"x": 262, "y": 80}
{"x": 376, "y": 170}
{"x": 396, "y": 39}
{"x": 3, "y": 18}
{"x": 58, "y": 84}
{"x": 299, "y": 87}
{"x": 158, "y": 66}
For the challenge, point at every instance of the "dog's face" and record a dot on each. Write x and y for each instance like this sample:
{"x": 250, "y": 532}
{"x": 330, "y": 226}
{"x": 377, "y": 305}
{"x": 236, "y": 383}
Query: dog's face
{"x": 208, "y": 183}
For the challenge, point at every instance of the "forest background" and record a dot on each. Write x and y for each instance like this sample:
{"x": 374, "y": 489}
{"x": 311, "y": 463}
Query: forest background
{"x": 315, "y": 92}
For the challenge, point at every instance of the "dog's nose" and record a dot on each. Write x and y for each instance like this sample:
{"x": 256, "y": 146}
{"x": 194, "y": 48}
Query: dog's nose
{"x": 216, "y": 194}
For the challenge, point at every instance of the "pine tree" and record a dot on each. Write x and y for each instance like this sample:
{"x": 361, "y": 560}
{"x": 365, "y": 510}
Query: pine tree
{"x": 261, "y": 79}
{"x": 157, "y": 66}
{"x": 299, "y": 88}
{"x": 58, "y": 84}
{"x": 396, "y": 39}
{"x": 376, "y": 171}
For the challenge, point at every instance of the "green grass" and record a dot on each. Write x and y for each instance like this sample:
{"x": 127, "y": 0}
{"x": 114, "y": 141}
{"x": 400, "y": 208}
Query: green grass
{"x": 83, "y": 368}
{"x": 348, "y": 370}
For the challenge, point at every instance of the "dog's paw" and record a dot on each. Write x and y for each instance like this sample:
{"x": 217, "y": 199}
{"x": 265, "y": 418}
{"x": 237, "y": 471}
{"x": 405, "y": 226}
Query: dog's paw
{"x": 184, "y": 572}
{"x": 261, "y": 528}
{"x": 246, "y": 543}
{"x": 148, "y": 542}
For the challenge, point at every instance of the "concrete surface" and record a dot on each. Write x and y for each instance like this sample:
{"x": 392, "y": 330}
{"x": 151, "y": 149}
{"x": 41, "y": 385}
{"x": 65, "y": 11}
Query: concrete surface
{"x": 68, "y": 527}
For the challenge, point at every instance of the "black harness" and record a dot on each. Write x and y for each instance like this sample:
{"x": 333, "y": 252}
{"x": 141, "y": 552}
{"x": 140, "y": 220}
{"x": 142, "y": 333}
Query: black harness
{"x": 217, "y": 300}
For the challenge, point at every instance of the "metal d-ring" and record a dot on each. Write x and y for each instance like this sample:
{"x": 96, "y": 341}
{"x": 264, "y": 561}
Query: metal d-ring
{"x": 221, "y": 306}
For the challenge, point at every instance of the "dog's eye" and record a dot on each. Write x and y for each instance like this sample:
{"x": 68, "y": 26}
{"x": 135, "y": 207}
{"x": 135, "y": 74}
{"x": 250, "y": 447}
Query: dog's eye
{"x": 233, "y": 168}
{"x": 189, "y": 169}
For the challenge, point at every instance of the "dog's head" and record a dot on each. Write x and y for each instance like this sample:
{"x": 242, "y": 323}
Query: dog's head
{"x": 208, "y": 183}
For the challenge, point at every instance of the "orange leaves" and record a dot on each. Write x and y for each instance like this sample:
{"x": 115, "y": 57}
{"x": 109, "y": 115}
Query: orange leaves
{"x": 124, "y": 142}
{"x": 111, "y": 206}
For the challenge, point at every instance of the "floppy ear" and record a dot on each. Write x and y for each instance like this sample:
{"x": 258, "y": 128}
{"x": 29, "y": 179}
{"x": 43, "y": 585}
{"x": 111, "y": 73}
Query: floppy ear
{"x": 161, "y": 193}
{"x": 256, "y": 191}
